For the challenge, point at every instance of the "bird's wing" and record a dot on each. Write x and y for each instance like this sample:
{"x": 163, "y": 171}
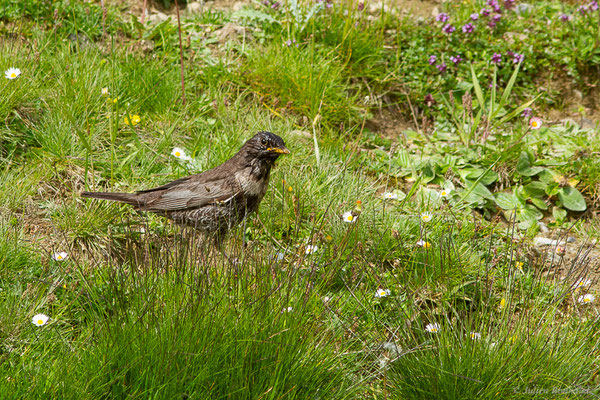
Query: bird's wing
{"x": 191, "y": 193}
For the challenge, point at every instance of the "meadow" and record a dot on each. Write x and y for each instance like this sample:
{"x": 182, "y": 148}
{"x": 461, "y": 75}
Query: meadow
{"x": 431, "y": 235}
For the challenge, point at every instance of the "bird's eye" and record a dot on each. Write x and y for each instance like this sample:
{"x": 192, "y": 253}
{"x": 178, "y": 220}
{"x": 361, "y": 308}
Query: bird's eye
{"x": 263, "y": 141}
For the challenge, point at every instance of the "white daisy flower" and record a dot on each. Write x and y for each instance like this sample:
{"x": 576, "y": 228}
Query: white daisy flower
{"x": 287, "y": 309}
{"x": 104, "y": 91}
{"x": 349, "y": 217}
{"x": 475, "y": 335}
{"x": 12, "y": 73}
{"x": 382, "y": 293}
{"x": 426, "y": 216}
{"x": 390, "y": 196}
{"x": 583, "y": 283}
{"x": 179, "y": 153}
{"x": 432, "y": 328}
{"x": 311, "y": 249}
{"x": 445, "y": 193}
{"x": 422, "y": 243}
{"x": 588, "y": 298}
{"x": 60, "y": 256}
{"x": 40, "y": 319}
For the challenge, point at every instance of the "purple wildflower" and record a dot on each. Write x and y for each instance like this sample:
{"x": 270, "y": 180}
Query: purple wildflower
{"x": 518, "y": 57}
{"x": 442, "y": 17}
{"x": 456, "y": 59}
{"x": 361, "y": 6}
{"x": 448, "y": 29}
{"x": 496, "y": 17}
{"x": 432, "y": 60}
{"x": 527, "y": 113}
{"x": 593, "y": 6}
{"x": 497, "y": 58}
{"x": 442, "y": 67}
{"x": 510, "y": 53}
{"x": 582, "y": 9}
{"x": 492, "y": 24}
{"x": 509, "y": 4}
{"x": 290, "y": 42}
{"x": 266, "y": 3}
{"x": 495, "y": 6}
{"x": 565, "y": 17}
{"x": 485, "y": 12}
{"x": 468, "y": 28}
{"x": 474, "y": 17}
{"x": 275, "y": 5}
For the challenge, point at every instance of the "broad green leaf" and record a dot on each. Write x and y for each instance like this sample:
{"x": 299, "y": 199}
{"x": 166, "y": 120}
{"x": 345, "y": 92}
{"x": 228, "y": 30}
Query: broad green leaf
{"x": 480, "y": 190}
{"x": 524, "y": 166}
{"x": 506, "y": 201}
{"x": 529, "y": 213}
{"x": 539, "y": 203}
{"x": 572, "y": 199}
{"x": 553, "y": 189}
{"x": 535, "y": 189}
{"x": 559, "y": 214}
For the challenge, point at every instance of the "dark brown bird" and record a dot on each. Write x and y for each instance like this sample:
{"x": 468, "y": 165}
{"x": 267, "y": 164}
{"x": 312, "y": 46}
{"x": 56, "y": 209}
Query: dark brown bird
{"x": 216, "y": 200}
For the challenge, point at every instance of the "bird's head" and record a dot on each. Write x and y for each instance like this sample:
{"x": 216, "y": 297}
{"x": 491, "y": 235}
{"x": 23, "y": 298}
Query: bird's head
{"x": 266, "y": 146}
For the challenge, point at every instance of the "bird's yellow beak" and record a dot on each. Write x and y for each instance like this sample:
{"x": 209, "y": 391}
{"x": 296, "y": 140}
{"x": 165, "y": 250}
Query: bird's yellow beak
{"x": 279, "y": 150}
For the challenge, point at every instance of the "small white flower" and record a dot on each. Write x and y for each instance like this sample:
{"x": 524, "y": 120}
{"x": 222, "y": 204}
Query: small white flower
{"x": 12, "y": 73}
{"x": 445, "y": 193}
{"x": 382, "y": 293}
{"x": 104, "y": 91}
{"x": 311, "y": 249}
{"x": 349, "y": 217}
{"x": 326, "y": 299}
{"x": 287, "y": 309}
{"x": 180, "y": 154}
{"x": 422, "y": 243}
{"x": 582, "y": 283}
{"x": 426, "y": 216}
{"x": 60, "y": 256}
{"x": 475, "y": 335}
{"x": 432, "y": 328}
{"x": 279, "y": 256}
{"x": 390, "y": 196}
{"x": 39, "y": 319}
{"x": 588, "y": 298}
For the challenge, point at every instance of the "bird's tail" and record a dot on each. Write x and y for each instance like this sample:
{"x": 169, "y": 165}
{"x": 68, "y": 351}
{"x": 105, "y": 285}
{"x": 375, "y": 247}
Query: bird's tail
{"x": 129, "y": 198}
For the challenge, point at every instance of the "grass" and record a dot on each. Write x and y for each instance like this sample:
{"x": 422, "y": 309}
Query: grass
{"x": 141, "y": 308}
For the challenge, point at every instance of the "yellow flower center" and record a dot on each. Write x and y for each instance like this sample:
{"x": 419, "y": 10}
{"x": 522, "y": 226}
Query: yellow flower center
{"x": 40, "y": 322}
{"x": 59, "y": 257}
{"x": 13, "y": 75}
{"x": 534, "y": 124}
{"x": 587, "y": 300}
{"x": 177, "y": 154}
{"x": 433, "y": 329}
{"x": 350, "y": 218}
{"x": 290, "y": 189}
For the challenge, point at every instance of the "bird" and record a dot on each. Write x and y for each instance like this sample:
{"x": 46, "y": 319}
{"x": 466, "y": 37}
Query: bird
{"x": 215, "y": 200}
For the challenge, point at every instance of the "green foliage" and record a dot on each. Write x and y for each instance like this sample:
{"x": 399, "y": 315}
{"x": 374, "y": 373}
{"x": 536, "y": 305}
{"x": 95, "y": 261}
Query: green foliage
{"x": 143, "y": 309}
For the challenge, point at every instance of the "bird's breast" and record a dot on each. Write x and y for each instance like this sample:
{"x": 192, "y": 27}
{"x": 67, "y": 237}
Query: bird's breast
{"x": 252, "y": 185}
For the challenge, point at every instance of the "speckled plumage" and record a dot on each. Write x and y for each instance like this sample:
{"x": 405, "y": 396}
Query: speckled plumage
{"x": 216, "y": 200}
